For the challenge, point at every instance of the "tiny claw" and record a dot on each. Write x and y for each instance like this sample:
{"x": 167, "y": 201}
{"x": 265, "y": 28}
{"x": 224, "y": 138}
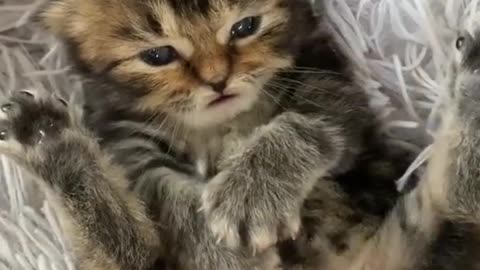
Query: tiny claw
{"x": 295, "y": 230}
{"x": 50, "y": 124}
{"x": 6, "y": 107}
{"x": 27, "y": 93}
{"x": 3, "y": 135}
{"x": 254, "y": 251}
{"x": 262, "y": 239}
{"x": 42, "y": 136}
{"x": 63, "y": 101}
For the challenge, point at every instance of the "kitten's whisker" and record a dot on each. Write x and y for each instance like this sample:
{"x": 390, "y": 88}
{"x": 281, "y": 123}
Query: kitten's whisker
{"x": 134, "y": 130}
{"x": 276, "y": 86}
{"x": 296, "y": 95}
{"x": 309, "y": 86}
{"x": 150, "y": 119}
{"x": 184, "y": 133}
{"x": 310, "y": 72}
{"x": 172, "y": 137}
{"x": 313, "y": 70}
{"x": 149, "y": 122}
{"x": 265, "y": 91}
{"x": 307, "y": 67}
{"x": 165, "y": 119}
{"x": 187, "y": 134}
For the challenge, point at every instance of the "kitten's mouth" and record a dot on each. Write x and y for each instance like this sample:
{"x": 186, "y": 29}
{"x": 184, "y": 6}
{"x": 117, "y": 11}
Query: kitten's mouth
{"x": 221, "y": 100}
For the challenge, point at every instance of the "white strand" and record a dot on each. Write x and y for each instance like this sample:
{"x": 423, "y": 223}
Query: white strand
{"x": 417, "y": 163}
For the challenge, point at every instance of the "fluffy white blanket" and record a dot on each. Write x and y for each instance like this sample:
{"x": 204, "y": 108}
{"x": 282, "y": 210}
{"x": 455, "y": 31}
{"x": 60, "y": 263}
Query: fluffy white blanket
{"x": 400, "y": 46}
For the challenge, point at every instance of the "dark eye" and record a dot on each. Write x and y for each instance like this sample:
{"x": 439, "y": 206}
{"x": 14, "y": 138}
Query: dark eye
{"x": 245, "y": 27}
{"x": 159, "y": 56}
{"x": 460, "y": 42}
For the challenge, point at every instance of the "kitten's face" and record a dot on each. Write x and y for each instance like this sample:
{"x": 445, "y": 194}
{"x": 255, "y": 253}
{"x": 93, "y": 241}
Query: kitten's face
{"x": 201, "y": 61}
{"x": 465, "y": 66}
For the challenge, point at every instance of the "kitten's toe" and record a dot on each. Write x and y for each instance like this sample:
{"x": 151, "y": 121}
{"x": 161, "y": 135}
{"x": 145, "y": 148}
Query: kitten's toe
{"x": 269, "y": 260}
{"x": 290, "y": 228}
{"x": 265, "y": 231}
{"x": 240, "y": 215}
{"x": 262, "y": 238}
{"x": 29, "y": 118}
{"x": 225, "y": 231}
{"x": 28, "y": 93}
{"x": 6, "y": 110}
{"x": 5, "y": 132}
{"x": 223, "y": 211}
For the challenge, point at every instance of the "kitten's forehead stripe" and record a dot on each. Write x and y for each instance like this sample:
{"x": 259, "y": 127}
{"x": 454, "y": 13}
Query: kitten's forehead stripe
{"x": 153, "y": 23}
{"x": 186, "y": 7}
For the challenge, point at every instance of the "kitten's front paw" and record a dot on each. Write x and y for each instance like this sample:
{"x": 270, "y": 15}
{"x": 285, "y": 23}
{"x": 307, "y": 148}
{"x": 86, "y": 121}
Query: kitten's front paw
{"x": 29, "y": 123}
{"x": 243, "y": 211}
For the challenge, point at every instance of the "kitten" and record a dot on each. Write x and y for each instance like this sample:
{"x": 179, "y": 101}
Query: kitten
{"x": 176, "y": 82}
{"x": 229, "y": 132}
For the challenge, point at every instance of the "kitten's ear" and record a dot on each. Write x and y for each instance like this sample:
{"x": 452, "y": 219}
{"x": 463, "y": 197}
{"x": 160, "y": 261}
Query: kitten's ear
{"x": 53, "y": 15}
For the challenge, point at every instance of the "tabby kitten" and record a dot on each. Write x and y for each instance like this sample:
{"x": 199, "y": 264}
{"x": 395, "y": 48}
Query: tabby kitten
{"x": 233, "y": 108}
{"x": 219, "y": 134}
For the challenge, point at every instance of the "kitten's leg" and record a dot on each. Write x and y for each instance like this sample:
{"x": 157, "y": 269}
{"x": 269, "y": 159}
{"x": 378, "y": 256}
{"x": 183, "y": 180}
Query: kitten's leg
{"x": 171, "y": 190}
{"x": 105, "y": 223}
{"x": 437, "y": 225}
{"x": 174, "y": 199}
{"x": 259, "y": 198}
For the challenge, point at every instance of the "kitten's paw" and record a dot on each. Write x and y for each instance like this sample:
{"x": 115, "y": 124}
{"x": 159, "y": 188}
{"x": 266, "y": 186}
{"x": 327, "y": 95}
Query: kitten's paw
{"x": 30, "y": 122}
{"x": 241, "y": 212}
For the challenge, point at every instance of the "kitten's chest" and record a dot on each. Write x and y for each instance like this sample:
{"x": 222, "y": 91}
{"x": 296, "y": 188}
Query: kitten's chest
{"x": 216, "y": 152}
{"x": 205, "y": 153}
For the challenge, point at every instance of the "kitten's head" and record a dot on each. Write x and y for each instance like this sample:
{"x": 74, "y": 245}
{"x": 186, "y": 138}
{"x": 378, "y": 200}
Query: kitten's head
{"x": 464, "y": 65}
{"x": 201, "y": 61}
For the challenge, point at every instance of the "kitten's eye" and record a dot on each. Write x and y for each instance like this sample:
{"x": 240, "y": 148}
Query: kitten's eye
{"x": 460, "y": 42}
{"x": 159, "y": 56}
{"x": 245, "y": 27}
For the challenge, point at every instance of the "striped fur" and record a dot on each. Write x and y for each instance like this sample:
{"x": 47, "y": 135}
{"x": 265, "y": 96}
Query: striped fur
{"x": 289, "y": 174}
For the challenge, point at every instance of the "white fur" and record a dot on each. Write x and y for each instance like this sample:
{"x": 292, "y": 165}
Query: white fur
{"x": 204, "y": 116}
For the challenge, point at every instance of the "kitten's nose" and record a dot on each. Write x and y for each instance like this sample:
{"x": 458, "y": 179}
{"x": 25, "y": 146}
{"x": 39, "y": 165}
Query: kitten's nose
{"x": 213, "y": 69}
{"x": 219, "y": 87}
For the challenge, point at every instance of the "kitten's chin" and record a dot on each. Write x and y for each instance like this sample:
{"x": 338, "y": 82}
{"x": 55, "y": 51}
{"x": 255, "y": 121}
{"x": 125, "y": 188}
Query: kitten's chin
{"x": 220, "y": 111}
